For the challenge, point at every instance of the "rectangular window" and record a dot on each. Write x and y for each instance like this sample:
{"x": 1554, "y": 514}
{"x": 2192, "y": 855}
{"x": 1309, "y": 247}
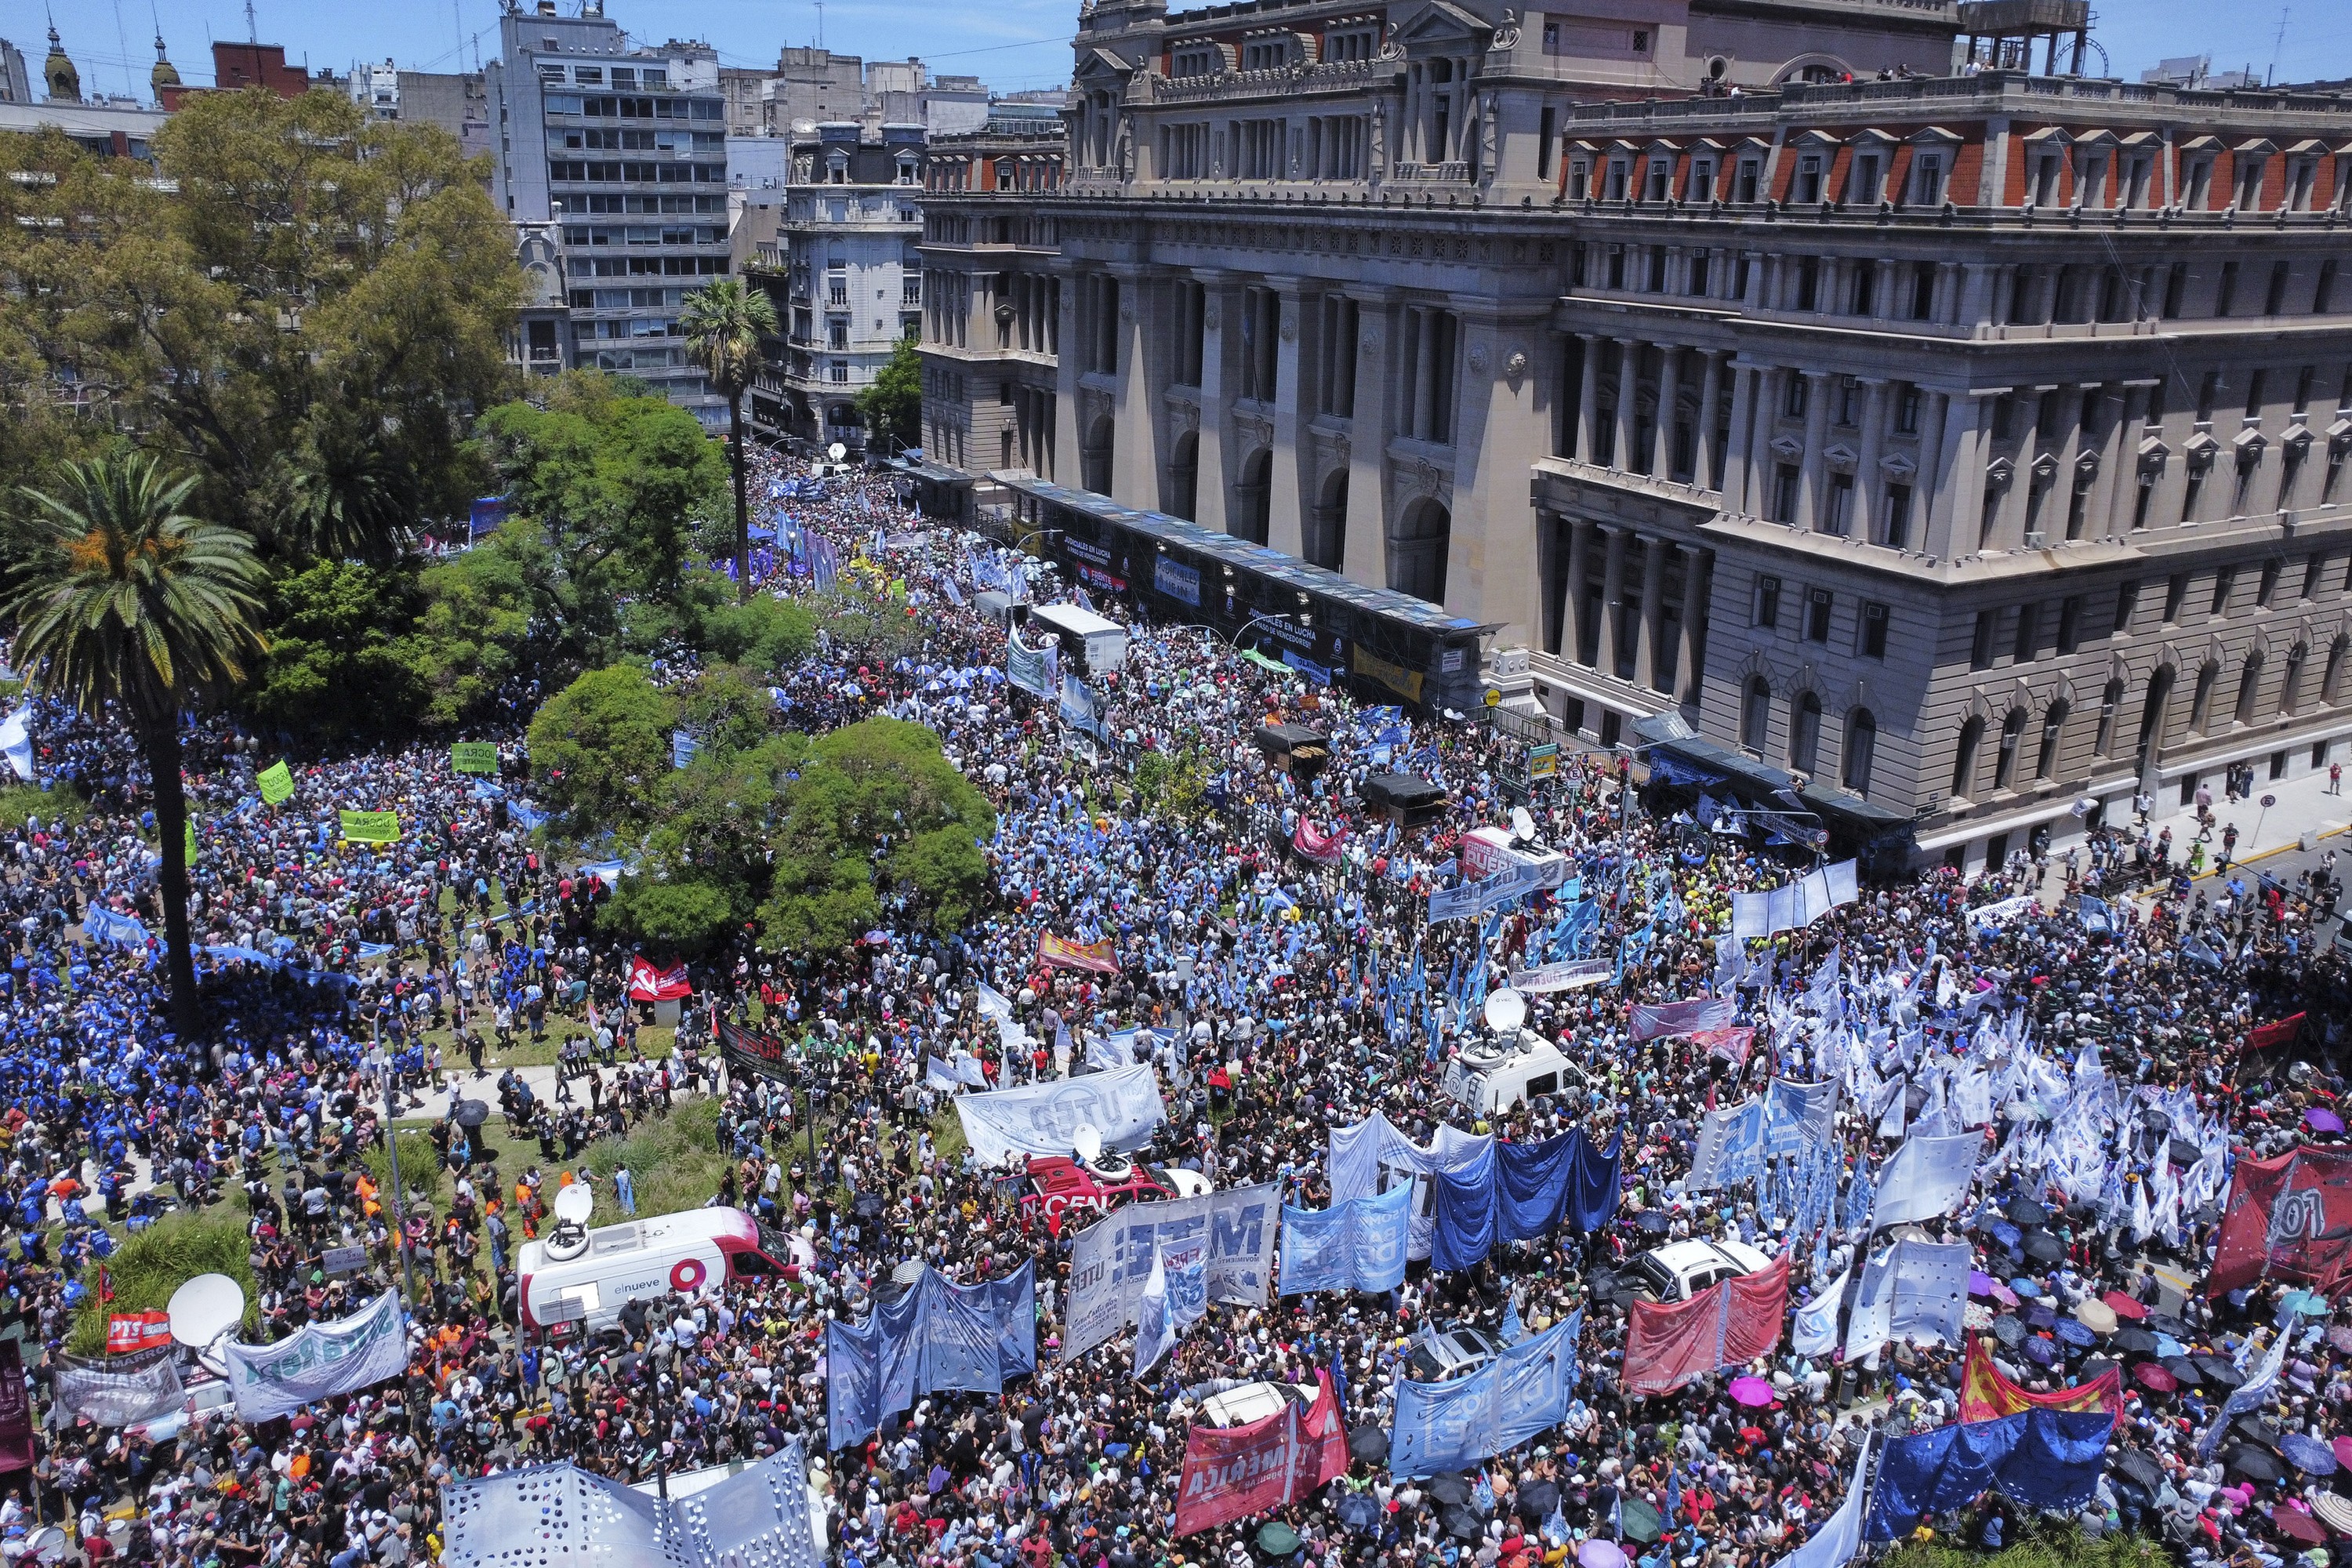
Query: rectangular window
{"x": 1784, "y": 494}
{"x": 1837, "y": 512}
{"x": 2070, "y": 623}
{"x": 1548, "y": 127}
{"x": 1907, "y": 410}
{"x": 2176, "y": 598}
{"x": 1767, "y": 603}
{"x": 1750, "y": 177}
{"x": 2028, "y": 622}
{"x": 1980, "y": 641}
{"x": 2224, "y": 581}
{"x": 2126, "y": 602}
{"x": 1872, "y": 644}
{"x": 1818, "y": 602}
{"x": 1898, "y": 517}
{"x": 1927, "y": 179}
{"x": 2269, "y": 588}
{"x": 1805, "y": 190}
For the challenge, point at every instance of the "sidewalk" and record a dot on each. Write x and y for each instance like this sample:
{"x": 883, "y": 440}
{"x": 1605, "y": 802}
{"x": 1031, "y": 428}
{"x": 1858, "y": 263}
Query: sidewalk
{"x": 2303, "y": 805}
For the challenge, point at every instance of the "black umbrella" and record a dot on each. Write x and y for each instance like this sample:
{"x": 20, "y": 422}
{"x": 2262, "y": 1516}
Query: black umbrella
{"x": 2043, "y": 1248}
{"x": 472, "y": 1113}
{"x": 1368, "y": 1444}
{"x": 2025, "y": 1210}
{"x": 2255, "y": 1464}
{"x": 1652, "y": 1220}
{"x": 2133, "y": 1340}
{"x": 2256, "y": 1431}
{"x": 1358, "y": 1511}
{"x": 2095, "y": 1367}
{"x": 1536, "y": 1499}
{"x": 2218, "y": 1372}
{"x": 2140, "y": 1467}
{"x": 2165, "y": 1323}
{"x": 1462, "y": 1524}
{"x": 2184, "y": 1153}
{"x": 2009, "y": 1331}
{"x": 2181, "y": 1367}
{"x": 867, "y": 1205}
{"x": 1448, "y": 1489}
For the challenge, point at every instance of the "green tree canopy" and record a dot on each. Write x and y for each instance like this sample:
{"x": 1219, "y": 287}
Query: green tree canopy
{"x": 892, "y": 407}
{"x": 601, "y": 751}
{"x": 337, "y": 628}
{"x": 763, "y": 632}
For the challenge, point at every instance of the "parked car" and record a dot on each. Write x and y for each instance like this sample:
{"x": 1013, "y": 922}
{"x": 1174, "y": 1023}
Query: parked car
{"x": 1452, "y": 1353}
{"x": 1681, "y": 1269}
{"x": 207, "y": 1398}
{"x": 1251, "y": 1402}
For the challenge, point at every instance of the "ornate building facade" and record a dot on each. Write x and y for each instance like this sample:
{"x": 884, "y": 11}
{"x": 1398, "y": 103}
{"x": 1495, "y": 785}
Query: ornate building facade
{"x": 1964, "y": 448}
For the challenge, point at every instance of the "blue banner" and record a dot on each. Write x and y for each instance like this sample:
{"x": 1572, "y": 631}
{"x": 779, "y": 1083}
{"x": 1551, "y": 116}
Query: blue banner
{"x": 1457, "y": 1426}
{"x": 2042, "y": 1459}
{"x": 939, "y": 1335}
{"x": 115, "y": 929}
{"x": 1358, "y": 1245}
{"x": 1516, "y": 1191}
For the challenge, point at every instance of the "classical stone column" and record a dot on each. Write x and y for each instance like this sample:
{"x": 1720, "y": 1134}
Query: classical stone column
{"x": 1588, "y": 400}
{"x": 1927, "y": 484}
{"x": 1364, "y": 556}
{"x": 1698, "y": 579}
{"x": 1738, "y": 486}
{"x": 1646, "y": 634}
{"x": 1612, "y": 603}
{"x": 1573, "y": 613}
{"x": 1284, "y": 532}
{"x": 1138, "y": 415}
{"x": 1706, "y": 462}
{"x": 1502, "y": 428}
{"x": 1866, "y": 503}
{"x": 1063, "y": 453}
{"x": 1662, "y": 427}
{"x": 1629, "y": 372}
{"x": 1219, "y": 332}
{"x": 1954, "y": 531}
{"x": 2119, "y": 470}
{"x": 1810, "y": 480}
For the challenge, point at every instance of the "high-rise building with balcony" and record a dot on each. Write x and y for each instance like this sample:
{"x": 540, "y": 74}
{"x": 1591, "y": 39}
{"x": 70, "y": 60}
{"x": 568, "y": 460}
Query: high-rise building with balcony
{"x": 620, "y": 150}
{"x": 1949, "y": 446}
{"x": 845, "y": 273}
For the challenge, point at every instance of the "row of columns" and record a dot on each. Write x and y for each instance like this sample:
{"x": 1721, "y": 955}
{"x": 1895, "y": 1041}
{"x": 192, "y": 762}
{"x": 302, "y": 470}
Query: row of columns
{"x": 1585, "y": 442}
{"x": 1574, "y": 626}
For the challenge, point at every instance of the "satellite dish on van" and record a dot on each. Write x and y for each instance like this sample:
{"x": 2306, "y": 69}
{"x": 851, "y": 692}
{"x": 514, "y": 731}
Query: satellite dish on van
{"x": 836, "y": 451}
{"x": 204, "y": 1308}
{"x": 1505, "y": 1010}
{"x": 574, "y": 1204}
{"x": 1522, "y": 825}
{"x": 1087, "y": 1141}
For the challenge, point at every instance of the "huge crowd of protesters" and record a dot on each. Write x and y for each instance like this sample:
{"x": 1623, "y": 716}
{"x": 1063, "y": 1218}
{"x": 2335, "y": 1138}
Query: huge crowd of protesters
{"x": 338, "y": 975}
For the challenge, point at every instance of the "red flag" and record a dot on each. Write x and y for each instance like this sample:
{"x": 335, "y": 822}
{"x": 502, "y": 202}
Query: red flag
{"x": 2281, "y": 1033}
{"x": 1095, "y": 957}
{"x": 1669, "y": 1345}
{"x": 648, "y": 983}
{"x": 128, "y": 1333}
{"x": 1986, "y": 1396}
{"x": 1754, "y": 1307}
{"x": 1247, "y": 1470}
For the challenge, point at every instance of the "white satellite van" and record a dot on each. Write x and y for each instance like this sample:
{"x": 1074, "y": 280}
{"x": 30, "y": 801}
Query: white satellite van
{"x": 1516, "y": 1064}
{"x": 575, "y": 1280}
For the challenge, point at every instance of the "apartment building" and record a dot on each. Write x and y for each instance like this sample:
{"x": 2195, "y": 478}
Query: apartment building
{"x": 619, "y": 150}
{"x": 1952, "y": 449}
{"x": 845, "y": 272}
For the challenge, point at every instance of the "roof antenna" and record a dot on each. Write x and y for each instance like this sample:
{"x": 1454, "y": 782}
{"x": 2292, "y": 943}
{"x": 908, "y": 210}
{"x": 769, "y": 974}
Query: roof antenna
{"x": 820, "y": 23}
{"x": 252, "y": 32}
{"x": 2278, "y": 43}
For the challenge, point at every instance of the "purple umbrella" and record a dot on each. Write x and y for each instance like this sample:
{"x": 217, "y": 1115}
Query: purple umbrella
{"x": 1598, "y": 1554}
{"x": 2320, "y": 1121}
{"x": 1979, "y": 1282}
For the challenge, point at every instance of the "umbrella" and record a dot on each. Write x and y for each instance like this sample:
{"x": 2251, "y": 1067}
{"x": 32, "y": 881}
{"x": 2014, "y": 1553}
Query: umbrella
{"x": 1652, "y": 1220}
{"x": 1357, "y": 1511}
{"x": 472, "y": 1113}
{"x": 2043, "y": 1248}
{"x": 2094, "y": 1368}
{"x": 1979, "y": 1282}
{"x": 2075, "y": 1332}
{"x": 2135, "y": 1341}
{"x": 2181, "y": 1152}
{"x": 2255, "y": 1464}
{"x": 1598, "y": 1553}
{"x": 2003, "y": 1294}
{"x": 2152, "y": 1377}
{"x": 2024, "y": 1210}
{"x": 2257, "y": 1431}
{"x": 2040, "y": 1352}
{"x": 2040, "y": 1315}
{"x": 1976, "y": 1316}
{"x": 2310, "y": 1303}
{"x": 1751, "y": 1390}
{"x": 1638, "y": 1519}
{"x": 867, "y": 1205}
{"x": 1449, "y": 1488}
{"x": 2340, "y": 1336}
{"x": 2167, "y": 1347}
{"x": 2140, "y": 1467}
{"x": 2124, "y": 1306}
{"x": 2008, "y": 1234}
{"x": 2009, "y": 1331}
{"x": 1536, "y": 1499}
{"x": 2095, "y": 1316}
{"x": 2307, "y": 1453}
{"x": 2297, "y": 1525}
{"x": 2165, "y": 1323}
{"x": 1277, "y": 1539}
{"x": 2334, "y": 1512}
{"x": 2320, "y": 1121}
{"x": 2343, "y": 1446}
{"x": 2026, "y": 1285}
{"x": 1367, "y": 1443}
{"x": 2219, "y": 1372}
{"x": 1462, "y": 1524}
{"x": 2181, "y": 1367}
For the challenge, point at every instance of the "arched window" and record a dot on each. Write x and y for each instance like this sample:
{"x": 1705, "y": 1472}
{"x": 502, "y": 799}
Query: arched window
{"x": 2331, "y": 679}
{"x": 2291, "y": 679}
{"x": 1804, "y": 731}
{"x": 1860, "y": 747}
{"x": 1756, "y": 713}
{"x": 1964, "y": 760}
{"x": 2054, "y": 728}
{"x": 2004, "y": 762}
{"x": 2200, "y": 703}
{"x": 2250, "y": 684}
{"x": 2110, "y": 701}
{"x": 2153, "y": 714}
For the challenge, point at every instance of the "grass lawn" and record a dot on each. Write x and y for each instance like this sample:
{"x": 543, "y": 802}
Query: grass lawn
{"x": 147, "y": 1267}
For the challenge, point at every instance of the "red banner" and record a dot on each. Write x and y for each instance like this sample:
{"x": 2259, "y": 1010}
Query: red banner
{"x": 1095, "y": 957}
{"x": 648, "y": 983}
{"x": 1731, "y": 1044}
{"x": 1728, "y": 1324}
{"x": 1243, "y": 1471}
{"x": 130, "y": 1333}
{"x": 1987, "y": 1395}
{"x": 2291, "y": 1214}
{"x": 1322, "y": 848}
{"x": 2263, "y": 1037}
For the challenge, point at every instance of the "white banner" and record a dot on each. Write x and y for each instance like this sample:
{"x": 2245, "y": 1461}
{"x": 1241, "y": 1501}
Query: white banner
{"x": 1992, "y": 917}
{"x": 1814, "y": 1331}
{"x": 1110, "y": 1260}
{"x": 321, "y": 1360}
{"x": 129, "y": 1390}
{"x": 1797, "y": 905}
{"x": 1572, "y": 974}
{"x": 1915, "y": 1291}
{"x": 16, "y": 742}
{"x": 1123, "y": 1105}
{"x": 1928, "y": 1176}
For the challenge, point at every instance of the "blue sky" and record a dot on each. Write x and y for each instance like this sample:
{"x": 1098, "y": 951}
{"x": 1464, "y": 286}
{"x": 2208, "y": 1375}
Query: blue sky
{"x": 1009, "y": 44}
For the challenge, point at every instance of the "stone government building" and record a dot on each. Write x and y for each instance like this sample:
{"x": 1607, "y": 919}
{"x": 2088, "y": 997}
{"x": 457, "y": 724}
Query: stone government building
{"x": 1967, "y": 442}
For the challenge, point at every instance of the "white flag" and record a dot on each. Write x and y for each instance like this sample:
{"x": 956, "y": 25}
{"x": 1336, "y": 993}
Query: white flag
{"x": 1155, "y": 1327}
{"x": 1815, "y": 1329}
{"x": 1840, "y": 1536}
{"x": 17, "y": 742}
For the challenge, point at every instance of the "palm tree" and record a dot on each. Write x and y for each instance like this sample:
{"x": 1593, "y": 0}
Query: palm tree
{"x": 723, "y": 322}
{"x": 117, "y": 596}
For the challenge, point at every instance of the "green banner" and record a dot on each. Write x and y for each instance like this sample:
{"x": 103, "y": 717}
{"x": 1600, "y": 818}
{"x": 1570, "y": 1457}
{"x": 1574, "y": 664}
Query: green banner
{"x": 474, "y": 757}
{"x": 276, "y": 781}
{"x": 371, "y": 826}
{"x": 191, "y": 824}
